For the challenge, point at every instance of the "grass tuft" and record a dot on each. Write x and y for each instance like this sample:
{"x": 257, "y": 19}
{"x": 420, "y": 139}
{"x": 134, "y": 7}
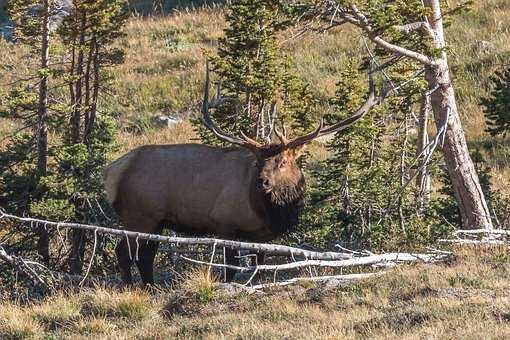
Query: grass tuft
{"x": 17, "y": 323}
{"x": 94, "y": 325}
{"x": 132, "y": 304}
{"x": 57, "y": 311}
{"x": 200, "y": 283}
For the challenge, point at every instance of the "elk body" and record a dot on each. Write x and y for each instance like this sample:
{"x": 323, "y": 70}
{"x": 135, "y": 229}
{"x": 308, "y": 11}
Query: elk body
{"x": 250, "y": 192}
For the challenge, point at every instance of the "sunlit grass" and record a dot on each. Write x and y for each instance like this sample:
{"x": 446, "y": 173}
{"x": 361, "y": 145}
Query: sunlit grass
{"x": 465, "y": 299}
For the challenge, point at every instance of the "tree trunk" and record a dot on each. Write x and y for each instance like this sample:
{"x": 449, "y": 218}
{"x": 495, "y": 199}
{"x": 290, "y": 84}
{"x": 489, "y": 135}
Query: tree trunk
{"x": 92, "y": 106}
{"x": 77, "y": 110}
{"x": 42, "y": 116}
{"x": 78, "y": 236}
{"x": 423, "y": 180}
{"x": 468, "y": 192}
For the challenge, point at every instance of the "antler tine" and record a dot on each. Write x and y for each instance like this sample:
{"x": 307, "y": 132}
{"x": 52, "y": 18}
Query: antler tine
{"x": 321, "y": 130}
{"x": 281, "y": 136}
{"x": 208, "y": 122}
{"x": 308, "y": 137}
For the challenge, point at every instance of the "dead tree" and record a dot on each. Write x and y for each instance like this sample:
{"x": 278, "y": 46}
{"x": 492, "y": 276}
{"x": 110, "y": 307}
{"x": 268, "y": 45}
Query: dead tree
{"x": 42, "y": 116}
{"x": 466, "y": 185}
{"x": 423, "y": 179}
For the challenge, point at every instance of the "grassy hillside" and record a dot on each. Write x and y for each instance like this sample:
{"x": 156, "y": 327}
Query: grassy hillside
{"x": 164, "y": 67}
{"x": 163, "y": 72}
{"x": 467, "y": 299}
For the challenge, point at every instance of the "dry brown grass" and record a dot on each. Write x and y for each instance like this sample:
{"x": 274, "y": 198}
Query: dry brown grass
{"x": 465, "y": 299}
{"x": 179, "y": 133}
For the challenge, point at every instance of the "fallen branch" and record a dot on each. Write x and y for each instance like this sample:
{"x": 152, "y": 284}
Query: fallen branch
{"x": 474, "y": 242}
{"x": 482, "y": 231}
{"x": 272, "y": 249}
{"x": 479, "y": 237}
{"x": 380, "y": 260}
{"x": 333, "y": 279}
{"x": 23, "y": 267}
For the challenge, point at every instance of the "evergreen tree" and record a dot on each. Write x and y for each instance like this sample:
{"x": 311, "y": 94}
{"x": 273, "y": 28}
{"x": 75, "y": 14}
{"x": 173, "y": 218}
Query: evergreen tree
{"x": 414, "y": 31}
{"x": 82, "y": 137}
{"x": 256, "y": 76}
{"x": 360, "y": 196}
{"x": 497, "y": 104}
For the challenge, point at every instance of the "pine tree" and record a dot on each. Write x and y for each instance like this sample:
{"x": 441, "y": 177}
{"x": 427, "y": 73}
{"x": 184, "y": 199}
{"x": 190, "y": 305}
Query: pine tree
{"x": 414, "y": 30}
{"x": 360, "y": 196}
{"x": 256, "y": 76}
{"x": 497, "y": 104}
{"x": 70, "y": 188}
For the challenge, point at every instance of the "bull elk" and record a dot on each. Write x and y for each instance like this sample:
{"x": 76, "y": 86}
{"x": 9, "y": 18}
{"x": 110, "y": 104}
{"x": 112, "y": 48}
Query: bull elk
{"x": 251, "y": 191}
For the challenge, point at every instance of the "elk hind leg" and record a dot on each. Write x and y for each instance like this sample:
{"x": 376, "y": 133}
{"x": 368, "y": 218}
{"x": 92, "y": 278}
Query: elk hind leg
{"x": 231, "y": 258}
{"x": 258, "y": 259}
{"x": 124, "y": 252}
{"x": 145, "y": 262}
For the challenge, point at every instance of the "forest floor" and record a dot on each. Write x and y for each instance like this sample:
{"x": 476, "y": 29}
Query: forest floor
{"x": 465, "y": 299}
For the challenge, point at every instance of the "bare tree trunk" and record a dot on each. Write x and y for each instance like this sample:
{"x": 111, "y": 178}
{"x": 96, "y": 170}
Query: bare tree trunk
{"x": 78, "y": 236}
{"x": 77, "y": 110}
{"x": 86, "y": 80}
{"x": 403, "y": 174}
{"x": 95, "y": 92}
{"x": 423, "y": 180}
{"x": 42, "y": 116}
{"x": 468, "y": 192}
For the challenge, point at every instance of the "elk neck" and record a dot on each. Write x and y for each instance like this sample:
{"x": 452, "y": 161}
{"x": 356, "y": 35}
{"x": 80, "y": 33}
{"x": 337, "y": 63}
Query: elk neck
{"x": 281, "y": 206}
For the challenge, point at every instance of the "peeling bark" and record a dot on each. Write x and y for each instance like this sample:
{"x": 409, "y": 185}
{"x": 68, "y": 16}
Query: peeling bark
{"x": 466, "y": 185}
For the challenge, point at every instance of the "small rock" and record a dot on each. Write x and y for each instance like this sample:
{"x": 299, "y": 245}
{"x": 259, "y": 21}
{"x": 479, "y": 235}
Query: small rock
{"x": 166, "y": 121}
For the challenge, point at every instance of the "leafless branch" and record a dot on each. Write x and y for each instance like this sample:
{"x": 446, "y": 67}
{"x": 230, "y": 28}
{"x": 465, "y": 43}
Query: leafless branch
{"x": 24, "y": 267}
{"x": 273, "y": 249}
{"x": 379, "y": 260}
{"x": 333, "y": 279}
{"x": 329, "y": 10}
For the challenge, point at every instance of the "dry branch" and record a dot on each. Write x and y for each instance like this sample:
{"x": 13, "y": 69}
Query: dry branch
{"x": 473, "y": 242}
{"x": 483, "y": 231}
{"x": 479, "y": 237}
{"x": 312, "y": 258}
{"x": 380, "y": 260}
{"x": 333, "y": 279}
{"x": 272, "y": 249}
{"x": 23, "y": 267}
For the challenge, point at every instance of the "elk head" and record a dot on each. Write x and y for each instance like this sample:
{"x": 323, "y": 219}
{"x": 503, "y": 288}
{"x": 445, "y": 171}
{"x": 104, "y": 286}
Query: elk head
{"x": 279, "y": 177}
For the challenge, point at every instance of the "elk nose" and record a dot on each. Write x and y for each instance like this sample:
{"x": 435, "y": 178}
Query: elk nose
{"x": 262, "y": 184}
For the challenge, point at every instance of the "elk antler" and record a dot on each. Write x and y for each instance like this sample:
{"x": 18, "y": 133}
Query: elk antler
{"x": 208, "y": 122}
{"x": 321, "y": 130}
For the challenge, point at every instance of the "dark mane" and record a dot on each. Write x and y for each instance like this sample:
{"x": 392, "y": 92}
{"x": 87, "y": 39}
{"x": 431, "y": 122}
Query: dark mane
{"x": 282, "y": 207}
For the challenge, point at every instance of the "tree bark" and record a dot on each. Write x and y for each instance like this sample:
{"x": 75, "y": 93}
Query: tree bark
{"x": 423, "y": 180}
{"x": 466, "y": 185}
{"x": 78, "y": 236}
{"x": 92, "y": 107}
{"x": 77, "y": 109}
{"x": 42, "y": 116}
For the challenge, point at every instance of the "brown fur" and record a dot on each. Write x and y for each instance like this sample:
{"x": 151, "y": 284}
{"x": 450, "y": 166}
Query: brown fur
{"x": 198, "y": 189}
